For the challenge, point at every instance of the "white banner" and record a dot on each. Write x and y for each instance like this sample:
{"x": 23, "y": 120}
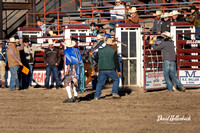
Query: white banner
{"x": 189, "y": 77}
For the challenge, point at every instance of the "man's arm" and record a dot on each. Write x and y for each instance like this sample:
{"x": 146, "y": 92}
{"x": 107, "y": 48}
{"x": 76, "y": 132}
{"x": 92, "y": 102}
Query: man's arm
{"x": 116, "y": 61}
{"x": 58, "y": 56}
{"x": 14, "y": 56}
{"x": 44, "y": 57}
{"x": 96, "y": 58}
{"x": 159, "y": 46}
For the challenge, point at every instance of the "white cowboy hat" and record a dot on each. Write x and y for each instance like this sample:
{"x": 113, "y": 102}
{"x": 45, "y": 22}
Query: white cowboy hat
{"x": 158, "y": 13}
{"x": 51, "y": 33}
{"x": 175, "y": 12}
{"x": 69, "y": 43}
{"x": 166, "y": 33}
{"x": 118, "y": 1}
{"x": 133, "y": 9}
{"x": 166, "y": 14}
{"x": 99, "y": 36}
{"x": 51, "y": 42}
{"x": 12, "y": 40}
{"x": 110, "y": 41}
{"x": 170, "y": 14}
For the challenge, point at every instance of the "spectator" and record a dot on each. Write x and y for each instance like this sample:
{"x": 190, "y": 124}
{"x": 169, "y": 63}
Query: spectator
{"x": 94, "y": 31}
{"x": 157, "y": 23}
{"x": 134, "y": 17}
{"x": 3, "y": 61}
{"x": 29, "y": 55}
{"x": 176, "y": 16}
{"x": 128, "y": 7}
{"x": 72, "y": 60}
{"x": 13, "y": 62}
{"x": 52, "y": 59}
{"x": 118, "y": 13}
{"x": 195, "y": 19}
{"x": 165, "y": 24}
{"x": 107, "y": 64}
{"x": 42, "y": 26}
{"x": 169, "y": 58}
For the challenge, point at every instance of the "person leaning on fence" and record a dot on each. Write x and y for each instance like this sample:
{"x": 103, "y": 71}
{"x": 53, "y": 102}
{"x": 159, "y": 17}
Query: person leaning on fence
{"x": 72, "y": 60}
{"x": 134, "y": 17}
{"x": 41, "y": 25}
{"x": 3, "y": 62}
{"x": 195, "y": 19}
{"x": 13, "y": 62}
{"x": 52, "y": 59}
{"x": 108, "y": 65}
{"x": 118, "y": 13}
{"x": 169, "y": 58}
{"x": 165, "y": 24}
{"x": 176, "y": 16}
{"x": 157, "y": 23}
{"x": 30, "y": 56}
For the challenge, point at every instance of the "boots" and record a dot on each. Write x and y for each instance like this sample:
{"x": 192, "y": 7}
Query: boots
{"x": 3, "y": 84}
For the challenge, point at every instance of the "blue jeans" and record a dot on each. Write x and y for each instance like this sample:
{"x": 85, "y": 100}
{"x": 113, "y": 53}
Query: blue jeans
{"x": 14, "y": 77}
{"x": 169, "y": 69}
{"x": 103, "y": 75}
{"x": 113, "y": 23}
{"x": 54, "y": 69}
{"x": 30, "y": 74}
{"x": 197, "y": 30}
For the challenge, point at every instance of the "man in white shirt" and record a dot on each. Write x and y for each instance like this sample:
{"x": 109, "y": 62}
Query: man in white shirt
{"x": 118, "y": 13}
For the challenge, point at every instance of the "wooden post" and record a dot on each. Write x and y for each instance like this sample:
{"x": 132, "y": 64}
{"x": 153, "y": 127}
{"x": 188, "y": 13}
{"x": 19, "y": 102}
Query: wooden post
{"x": 1, "y": 18}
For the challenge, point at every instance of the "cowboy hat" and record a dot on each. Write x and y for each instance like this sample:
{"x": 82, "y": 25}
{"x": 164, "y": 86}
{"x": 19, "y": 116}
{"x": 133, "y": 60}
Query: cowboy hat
{"x": 99, "y": 36}
{"x": 69, "y": 43}
{"x": 12, "y": 40}
{"x": 51, "y": 33}
{"x": 166, "y": 14}
{"x": 110, "y": 41}
{"x": 158, "y": 13}
{"x": 118, "y": 1}
{"x": 166, "y": 33}
{"x": 175, "y": 12}
{"x": 132, "y": 10}
{"x": 51, "y": 42}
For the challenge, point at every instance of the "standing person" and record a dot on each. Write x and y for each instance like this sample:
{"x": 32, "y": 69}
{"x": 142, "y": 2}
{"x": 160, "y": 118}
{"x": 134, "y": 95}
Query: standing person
{"x": 94, "y": 31}
{"x": 108, "y": 63}
{"x": 3, "y": 61}
{"x": 51, "y": 59}
{"x": 134, "y": 17}
{"x": 14, "y": 61}
{"x": 176, "y": 16}
{"x": 169, "y": 58}
{"x": 72, "y": 60}
{"x": 157, "y": 23}
{"x": 165, "y": 24}
{"x": 195, "y": 19}
{"x": 29, "y": 56}
{"x": 42, "y": 26}
{"x": 118, "y": 13}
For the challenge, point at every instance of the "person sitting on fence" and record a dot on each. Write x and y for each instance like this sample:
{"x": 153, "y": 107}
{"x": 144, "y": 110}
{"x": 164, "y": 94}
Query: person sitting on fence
{"x": 195, "y": 19}
{"x": 3, "y": 61}
{"x": 118, "y": 13}
{"x": 41, "y": 25}
{"x": 94, "y": 31}
{"x": 157, "y": 23}
{"x": 169, "y": 58}
{"x": 52, "y": 59}
{"x": 165, "y": 23}
{"x": 72, "y": 60}
{"x": 134, "y": 17}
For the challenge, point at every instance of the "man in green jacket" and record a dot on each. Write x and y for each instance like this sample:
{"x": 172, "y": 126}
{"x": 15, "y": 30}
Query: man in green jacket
{"x": 195, "y": 19}
{"x": 108, "y": 63}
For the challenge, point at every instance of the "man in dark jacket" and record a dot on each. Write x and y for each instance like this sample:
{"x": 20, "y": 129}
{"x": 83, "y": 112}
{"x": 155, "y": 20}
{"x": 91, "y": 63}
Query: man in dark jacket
{"x": 52, "y": 59}
{"x": 165, "y": 23}
{"x": 169, "y": 57}
{"x": 157, "y": 23}
{"x": 107, "y": 64}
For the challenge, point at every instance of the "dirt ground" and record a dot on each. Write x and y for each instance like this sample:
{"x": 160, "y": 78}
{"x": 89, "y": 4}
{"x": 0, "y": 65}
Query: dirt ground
{"x": 41, "y": 111}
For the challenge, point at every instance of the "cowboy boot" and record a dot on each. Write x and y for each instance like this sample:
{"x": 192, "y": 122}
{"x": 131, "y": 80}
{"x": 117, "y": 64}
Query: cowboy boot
{"x": 3, "y": 84}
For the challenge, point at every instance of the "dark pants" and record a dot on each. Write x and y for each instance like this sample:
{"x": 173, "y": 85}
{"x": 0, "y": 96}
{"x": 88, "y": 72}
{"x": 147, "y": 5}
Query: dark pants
{"x": 54, "y": 69}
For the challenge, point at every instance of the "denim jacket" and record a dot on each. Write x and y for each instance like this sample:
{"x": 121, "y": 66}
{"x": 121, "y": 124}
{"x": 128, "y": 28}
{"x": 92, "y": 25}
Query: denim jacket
{"x": 3, "y": 55}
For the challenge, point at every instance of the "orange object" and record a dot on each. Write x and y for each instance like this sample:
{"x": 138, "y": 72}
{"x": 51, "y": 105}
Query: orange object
{"x": 25, "y": 70}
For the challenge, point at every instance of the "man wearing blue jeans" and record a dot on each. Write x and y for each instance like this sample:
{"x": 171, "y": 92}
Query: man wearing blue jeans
{"x": 14, "y": 61}
{"x": 169, "y": 58}
{"x": 107, "y": 64}
{"x": 52, "y": 59}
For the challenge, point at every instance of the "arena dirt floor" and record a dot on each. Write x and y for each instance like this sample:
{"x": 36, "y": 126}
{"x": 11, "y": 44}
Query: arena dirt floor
{"x": 41, "y": 111}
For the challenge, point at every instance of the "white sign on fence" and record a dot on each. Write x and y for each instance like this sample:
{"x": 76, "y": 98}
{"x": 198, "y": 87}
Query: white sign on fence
{"x": 155, "y": 80}
{"x": 189, "y": 77}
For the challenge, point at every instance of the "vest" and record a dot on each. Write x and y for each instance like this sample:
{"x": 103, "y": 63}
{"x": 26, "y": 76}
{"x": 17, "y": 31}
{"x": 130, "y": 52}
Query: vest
{"x": 11, "y": 60}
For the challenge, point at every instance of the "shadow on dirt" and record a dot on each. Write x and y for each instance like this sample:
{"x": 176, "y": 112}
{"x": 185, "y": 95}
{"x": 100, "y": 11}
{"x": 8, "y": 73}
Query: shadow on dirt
{"x": 122, "y": 92}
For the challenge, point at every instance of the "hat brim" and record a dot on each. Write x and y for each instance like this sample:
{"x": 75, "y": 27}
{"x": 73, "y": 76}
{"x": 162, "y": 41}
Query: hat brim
{"x": 133, "y": 11}
{"x": 163, "y": 34}
{"x": 72, "y": 44}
